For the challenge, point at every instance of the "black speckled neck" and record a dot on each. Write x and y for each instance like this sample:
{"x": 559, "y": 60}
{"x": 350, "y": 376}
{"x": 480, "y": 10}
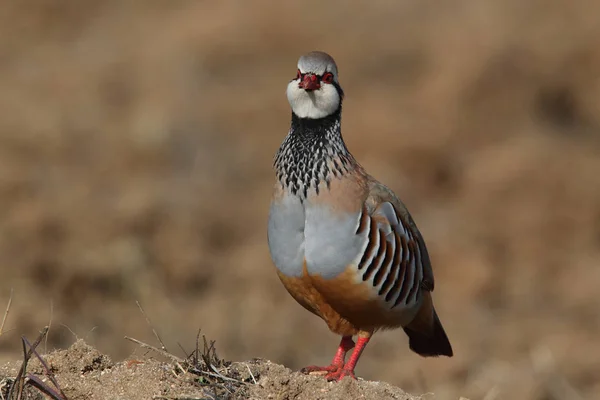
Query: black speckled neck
{"x": 312, "y": 152}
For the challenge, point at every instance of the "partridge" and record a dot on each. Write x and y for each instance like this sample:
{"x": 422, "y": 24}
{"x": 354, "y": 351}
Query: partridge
{"x": 344, "y": 245}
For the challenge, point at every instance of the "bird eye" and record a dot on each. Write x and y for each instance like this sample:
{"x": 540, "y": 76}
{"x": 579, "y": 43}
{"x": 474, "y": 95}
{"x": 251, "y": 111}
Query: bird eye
{"x": 299, "y": 75}
{"x": 328, "y": 77}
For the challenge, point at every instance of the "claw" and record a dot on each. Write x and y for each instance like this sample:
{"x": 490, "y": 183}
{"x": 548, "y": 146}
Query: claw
{"x": 316, "y": 370}
{"x": 340, "y": 374}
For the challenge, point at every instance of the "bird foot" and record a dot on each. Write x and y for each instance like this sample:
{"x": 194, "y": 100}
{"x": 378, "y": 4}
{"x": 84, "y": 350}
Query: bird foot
{"x": 340, "y": 374}
{"x": 316, "y": 370}
{"x": 331, "y": 372}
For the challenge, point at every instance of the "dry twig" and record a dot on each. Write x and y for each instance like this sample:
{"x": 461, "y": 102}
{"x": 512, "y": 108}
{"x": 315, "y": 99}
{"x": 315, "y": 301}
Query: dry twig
{"x": 163, "y": 347}
{"x": 23, "y": 378}
{"x": 156, "y": 350}
{"x": 6, "y": 312}
{"x": 49, "y": 326}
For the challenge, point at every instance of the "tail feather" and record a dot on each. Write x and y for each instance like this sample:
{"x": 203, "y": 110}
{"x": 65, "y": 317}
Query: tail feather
{"x": 432, "y": 343}
{"x": 426, "y": 335}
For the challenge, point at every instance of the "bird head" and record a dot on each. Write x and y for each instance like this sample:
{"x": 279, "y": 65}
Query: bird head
{"x": 315, "y": 92}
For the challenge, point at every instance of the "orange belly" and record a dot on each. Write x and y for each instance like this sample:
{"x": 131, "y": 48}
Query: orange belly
{"x": 346, "y": 306}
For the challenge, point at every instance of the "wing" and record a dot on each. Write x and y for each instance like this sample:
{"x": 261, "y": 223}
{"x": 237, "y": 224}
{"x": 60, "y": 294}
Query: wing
{"x": 395, "y": 260}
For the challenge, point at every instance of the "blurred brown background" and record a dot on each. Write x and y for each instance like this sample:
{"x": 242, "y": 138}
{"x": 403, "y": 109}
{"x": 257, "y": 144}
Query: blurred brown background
{"x": 136, "y": 143}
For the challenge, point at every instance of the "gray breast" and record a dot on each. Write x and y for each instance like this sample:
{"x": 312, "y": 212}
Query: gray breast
{"x": 302, "y": 231}
{"x": 332, "y": 243}
{"x": 286, "y": 234}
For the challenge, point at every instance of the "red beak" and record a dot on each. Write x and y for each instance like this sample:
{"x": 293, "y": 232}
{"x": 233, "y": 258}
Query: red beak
{"x": 309, "y": 82}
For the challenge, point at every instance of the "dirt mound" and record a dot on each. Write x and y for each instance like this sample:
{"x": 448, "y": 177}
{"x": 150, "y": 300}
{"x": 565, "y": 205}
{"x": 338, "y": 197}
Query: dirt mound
{"x": 84, "y": 373}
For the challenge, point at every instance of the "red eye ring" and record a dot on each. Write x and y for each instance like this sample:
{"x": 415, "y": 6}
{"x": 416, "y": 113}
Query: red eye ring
{"x": 327, "y": 77}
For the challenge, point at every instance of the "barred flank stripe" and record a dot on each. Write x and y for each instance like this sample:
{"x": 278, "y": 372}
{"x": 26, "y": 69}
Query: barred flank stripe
{"x": 364, "y": 220}
{"x": 373, "y": 236}
{"x": 418, "y": 273}
{"x": 400, "y": 264}
{"x": 408, "y": 271}
{"x": 393, "y": 274}
{"x": 383, "y": 270}
{"x": 393, "y": 261}
{"x": 377, "y": 260}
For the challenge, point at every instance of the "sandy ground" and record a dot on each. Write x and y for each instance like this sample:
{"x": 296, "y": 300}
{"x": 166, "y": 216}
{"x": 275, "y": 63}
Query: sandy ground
{"x": 82, "y": 372}
{"x": 136, "y": 148}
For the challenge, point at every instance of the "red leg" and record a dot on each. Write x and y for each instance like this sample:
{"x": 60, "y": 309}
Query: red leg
{"x": 348, "y": 368}
{"x": 338, "y": 361}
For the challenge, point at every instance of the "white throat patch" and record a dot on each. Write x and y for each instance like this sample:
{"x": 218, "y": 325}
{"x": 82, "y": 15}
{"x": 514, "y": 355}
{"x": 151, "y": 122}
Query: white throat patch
{"x": 315, "y": 104}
